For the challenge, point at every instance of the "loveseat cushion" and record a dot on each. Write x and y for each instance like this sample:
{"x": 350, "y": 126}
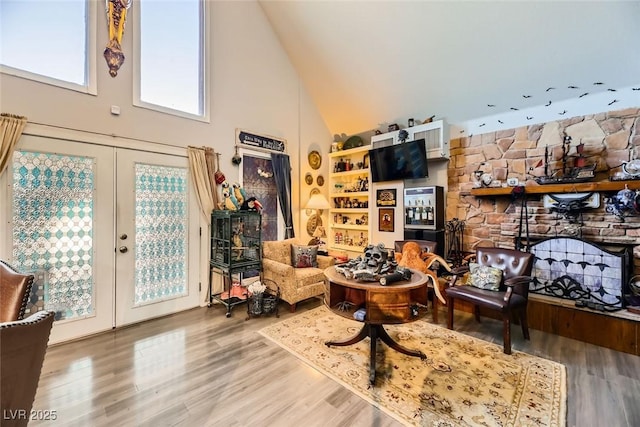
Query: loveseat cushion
{"x": 308, "y": 276}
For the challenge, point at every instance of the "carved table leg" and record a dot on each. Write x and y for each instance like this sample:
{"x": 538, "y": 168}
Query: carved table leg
{"x": 364, "y": 332}
{"x": 373, "y": 333}
{"x": 384, "y": 336}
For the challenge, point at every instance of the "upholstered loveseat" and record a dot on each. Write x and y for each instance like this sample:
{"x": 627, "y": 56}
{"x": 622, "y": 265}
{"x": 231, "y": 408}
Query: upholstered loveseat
{"x": 296, "y": 284}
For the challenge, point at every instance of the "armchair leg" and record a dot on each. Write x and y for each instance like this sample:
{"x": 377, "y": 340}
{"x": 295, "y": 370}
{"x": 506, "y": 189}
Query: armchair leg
{"x": 524, "y": 324}
{"x": 449, "y": 312}
{"x": 506, "y": 332}
{"x": 292, "y": 307}
{"x": 434, "y": 307}
{"x": 476, "y": 312}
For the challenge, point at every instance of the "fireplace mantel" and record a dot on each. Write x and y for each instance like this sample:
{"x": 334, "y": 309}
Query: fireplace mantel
{"x": 582, "y": 187}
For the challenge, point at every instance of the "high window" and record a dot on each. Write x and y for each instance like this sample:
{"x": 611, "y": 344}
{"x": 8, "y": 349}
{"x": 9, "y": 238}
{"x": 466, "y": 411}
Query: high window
{"x": 170, "y": 60}
{"x": 49, "y": 41}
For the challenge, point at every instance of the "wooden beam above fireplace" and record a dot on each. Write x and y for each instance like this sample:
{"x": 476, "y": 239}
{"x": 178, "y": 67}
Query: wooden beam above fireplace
{"x": 582, "y": 187}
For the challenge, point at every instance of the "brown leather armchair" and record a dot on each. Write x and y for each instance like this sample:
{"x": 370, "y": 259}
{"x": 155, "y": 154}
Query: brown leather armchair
{"x": 511, "y": 297}
{"x": 24, "y": 344}
{"x": 15, "y": 289}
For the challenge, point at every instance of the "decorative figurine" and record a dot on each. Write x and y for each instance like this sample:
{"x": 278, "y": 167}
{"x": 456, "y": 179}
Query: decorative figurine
{"x": 116, "y": 17}
{"x": 579, "y": 172}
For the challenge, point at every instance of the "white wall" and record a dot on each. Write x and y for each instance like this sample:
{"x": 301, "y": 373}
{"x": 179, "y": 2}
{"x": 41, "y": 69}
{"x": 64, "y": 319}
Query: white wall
{"x": 253, "y": 87}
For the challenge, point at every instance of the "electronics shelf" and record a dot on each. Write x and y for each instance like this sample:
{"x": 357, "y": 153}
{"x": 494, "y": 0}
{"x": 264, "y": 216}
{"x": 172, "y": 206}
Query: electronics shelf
{"x": 435, "y": 134}
{"x": 349, "y": 179}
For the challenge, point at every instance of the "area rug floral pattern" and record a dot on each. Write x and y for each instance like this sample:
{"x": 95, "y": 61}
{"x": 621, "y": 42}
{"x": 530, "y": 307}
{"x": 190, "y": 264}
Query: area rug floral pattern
{"x": 464, "y": 381}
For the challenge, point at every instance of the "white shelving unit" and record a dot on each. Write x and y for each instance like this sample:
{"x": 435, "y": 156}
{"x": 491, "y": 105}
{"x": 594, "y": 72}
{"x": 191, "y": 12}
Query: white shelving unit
{"x": 349, "y": 196}
{"x": 435, "y": 134}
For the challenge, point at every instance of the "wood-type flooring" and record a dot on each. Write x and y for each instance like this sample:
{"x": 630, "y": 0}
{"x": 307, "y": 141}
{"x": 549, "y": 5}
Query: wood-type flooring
{"x": 199, "y": 368}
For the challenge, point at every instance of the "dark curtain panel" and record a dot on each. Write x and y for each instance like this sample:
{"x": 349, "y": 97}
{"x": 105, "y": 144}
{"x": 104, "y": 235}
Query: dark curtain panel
{"x": 282, "y": 175}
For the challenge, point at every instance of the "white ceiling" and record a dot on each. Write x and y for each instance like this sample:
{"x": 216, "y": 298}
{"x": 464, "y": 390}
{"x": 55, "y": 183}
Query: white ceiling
{"x": 370, "y": 63}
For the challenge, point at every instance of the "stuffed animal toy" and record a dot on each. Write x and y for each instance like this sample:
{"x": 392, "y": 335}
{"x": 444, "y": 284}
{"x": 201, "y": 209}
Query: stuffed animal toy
{"x": 240, "y": 194}
{"x": 227, "y": 193}
{"x": 228, "y": 202}
{"x": 236, "y": 240}
{"x": 411, "y": 257}
{"x": 251, "y": 204}
{"x": 414, "y": 258}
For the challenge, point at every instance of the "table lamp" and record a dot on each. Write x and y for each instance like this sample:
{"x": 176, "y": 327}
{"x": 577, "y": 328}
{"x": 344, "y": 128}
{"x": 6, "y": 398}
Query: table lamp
{"x": 317, "y": 202}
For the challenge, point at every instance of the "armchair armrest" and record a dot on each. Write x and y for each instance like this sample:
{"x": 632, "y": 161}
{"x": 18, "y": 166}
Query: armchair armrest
{"x": 518, "y": 285}
{"x": 325, "y": 261}
{"x": 518, "y": 280}
{"x": 458, "y": 271}
{"x": 455, "y": 273}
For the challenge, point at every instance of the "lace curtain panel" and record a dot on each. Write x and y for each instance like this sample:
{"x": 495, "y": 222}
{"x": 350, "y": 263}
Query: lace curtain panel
{"x": 11, "y": 127}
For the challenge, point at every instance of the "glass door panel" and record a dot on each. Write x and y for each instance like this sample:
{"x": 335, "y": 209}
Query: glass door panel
{"x": 61, "y": 232}
{"x": 158, "y": 242}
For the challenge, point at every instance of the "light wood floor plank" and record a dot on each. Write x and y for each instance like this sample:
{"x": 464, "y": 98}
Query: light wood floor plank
{"x": 200, "y": 368}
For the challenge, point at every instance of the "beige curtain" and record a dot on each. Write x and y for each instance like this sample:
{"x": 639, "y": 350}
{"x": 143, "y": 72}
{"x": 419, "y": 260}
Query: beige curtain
{"x": 201, "y": 169}
{"x": 210, "y": 155}
{"x": 11, "y": 128}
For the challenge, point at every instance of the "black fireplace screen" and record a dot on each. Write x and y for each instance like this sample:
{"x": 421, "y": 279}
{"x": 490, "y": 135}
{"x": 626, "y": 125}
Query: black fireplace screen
{"x": 574, "y": 269}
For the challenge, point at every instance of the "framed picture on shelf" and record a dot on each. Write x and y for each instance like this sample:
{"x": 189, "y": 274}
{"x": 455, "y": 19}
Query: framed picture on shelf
{"x": 385, "y": 219}
{"x": 386, "y": 197}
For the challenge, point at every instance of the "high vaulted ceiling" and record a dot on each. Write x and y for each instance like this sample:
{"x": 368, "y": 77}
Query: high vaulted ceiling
{"x": 370, "y": 63}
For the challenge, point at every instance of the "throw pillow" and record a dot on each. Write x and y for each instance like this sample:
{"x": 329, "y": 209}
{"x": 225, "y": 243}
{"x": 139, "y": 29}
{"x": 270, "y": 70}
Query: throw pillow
{"x": 304, "y": 256}
{"x": 484, "y": 277}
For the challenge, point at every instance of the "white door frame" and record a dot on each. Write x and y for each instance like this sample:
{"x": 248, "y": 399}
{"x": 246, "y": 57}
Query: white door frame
{"x": 78, "y": 136}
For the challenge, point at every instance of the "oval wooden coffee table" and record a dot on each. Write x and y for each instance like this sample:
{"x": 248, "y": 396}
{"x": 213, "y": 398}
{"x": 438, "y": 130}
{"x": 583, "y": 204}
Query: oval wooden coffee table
{"x": 399, "y": 302}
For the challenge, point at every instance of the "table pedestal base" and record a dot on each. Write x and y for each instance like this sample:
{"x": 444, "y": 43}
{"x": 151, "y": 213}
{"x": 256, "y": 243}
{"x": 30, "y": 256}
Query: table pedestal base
{"x": 375, "y": 331}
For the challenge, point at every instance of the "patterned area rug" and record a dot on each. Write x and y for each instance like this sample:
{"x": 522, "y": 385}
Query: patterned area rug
{"x": 464, "y": 381}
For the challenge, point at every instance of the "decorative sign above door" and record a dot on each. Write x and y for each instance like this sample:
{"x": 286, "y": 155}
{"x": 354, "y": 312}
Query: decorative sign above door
{"x": 262, "y": 142}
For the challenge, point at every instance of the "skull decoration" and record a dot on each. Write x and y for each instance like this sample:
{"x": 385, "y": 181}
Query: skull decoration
{"x": 374, "y": 257}
{"x": 370, "y": 266}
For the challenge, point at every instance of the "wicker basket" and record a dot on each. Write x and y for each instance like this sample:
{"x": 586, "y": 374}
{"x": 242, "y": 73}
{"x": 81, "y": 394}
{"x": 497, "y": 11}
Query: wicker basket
{"x": 264, "y": 303}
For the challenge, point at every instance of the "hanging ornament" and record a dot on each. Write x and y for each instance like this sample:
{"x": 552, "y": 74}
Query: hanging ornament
{"x": 116, "y": 17}
{"x": 236, "y": 159}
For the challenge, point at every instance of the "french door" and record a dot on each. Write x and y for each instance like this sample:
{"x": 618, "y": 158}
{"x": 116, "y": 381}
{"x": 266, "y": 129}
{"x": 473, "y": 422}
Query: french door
{"x": 108, "y": 233}
{"x": 157, "y": 229}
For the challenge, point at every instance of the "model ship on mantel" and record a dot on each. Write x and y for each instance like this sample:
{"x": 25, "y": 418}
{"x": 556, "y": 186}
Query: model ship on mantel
{"x": 579, "y": 172}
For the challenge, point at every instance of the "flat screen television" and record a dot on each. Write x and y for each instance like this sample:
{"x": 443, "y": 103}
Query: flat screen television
{"x": 407, "y": 160}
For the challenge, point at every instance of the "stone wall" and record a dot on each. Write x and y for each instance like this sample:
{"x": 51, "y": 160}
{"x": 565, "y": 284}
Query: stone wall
{"x": 518, "y": 153}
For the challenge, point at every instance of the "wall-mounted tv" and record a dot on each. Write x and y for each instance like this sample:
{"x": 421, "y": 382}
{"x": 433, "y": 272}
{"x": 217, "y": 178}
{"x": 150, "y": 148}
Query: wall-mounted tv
{"x": 407, "y": 160}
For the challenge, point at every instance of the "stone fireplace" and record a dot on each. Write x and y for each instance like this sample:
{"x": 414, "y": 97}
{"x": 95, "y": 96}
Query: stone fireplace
{"x": 517, "y": 153}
